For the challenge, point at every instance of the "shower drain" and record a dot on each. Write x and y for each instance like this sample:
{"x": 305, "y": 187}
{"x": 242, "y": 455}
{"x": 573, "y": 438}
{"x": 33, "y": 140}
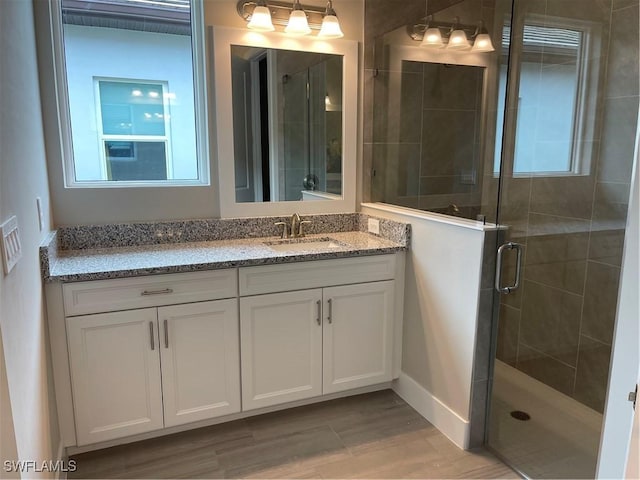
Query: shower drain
{"x": 520, "y": 415}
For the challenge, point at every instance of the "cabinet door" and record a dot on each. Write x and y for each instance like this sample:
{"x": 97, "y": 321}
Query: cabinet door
{"x": 115, "y": 374}
{"x": 358, "y": 335}
{"x": 281, "y": 345}
{"x": 200, "y": 358}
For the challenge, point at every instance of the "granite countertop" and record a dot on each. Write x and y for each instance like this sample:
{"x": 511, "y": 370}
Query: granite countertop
{"x": 70, "y": 264}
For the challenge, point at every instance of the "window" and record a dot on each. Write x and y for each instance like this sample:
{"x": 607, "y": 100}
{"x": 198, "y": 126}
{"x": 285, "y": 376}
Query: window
{"x": 132, "y": 82}
{"x": 555, "y": 119}
{"x": 133, "y": 129}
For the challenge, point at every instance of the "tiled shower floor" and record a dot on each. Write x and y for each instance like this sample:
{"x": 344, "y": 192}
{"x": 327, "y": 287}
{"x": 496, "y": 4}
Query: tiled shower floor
{"x": 559, "y": 441}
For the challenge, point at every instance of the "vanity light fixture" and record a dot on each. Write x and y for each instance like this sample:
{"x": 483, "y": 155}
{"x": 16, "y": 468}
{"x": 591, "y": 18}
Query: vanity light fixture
{"x": 330, "y": 24}
{"x": 296, "y": 18}
{"x": 452, "y": 36}
{"x": 458, "y": 38}
{"x": 298, "y": 24}
{"x": 482, "y": 42}
{"x": 261, "y": 18}
{"x": 432, "y": 36}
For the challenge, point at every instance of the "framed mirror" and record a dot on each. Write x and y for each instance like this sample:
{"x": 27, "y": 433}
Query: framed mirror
{"x": 286, "y": 123}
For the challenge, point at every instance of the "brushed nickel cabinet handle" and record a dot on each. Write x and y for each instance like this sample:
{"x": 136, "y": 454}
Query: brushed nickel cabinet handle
{"x": 166, "y": 333}
{"x": 318, "y": 319}
{"x": 329, "y": 312}
{"x": 153, "y": 343}
{"x": 164, "y": 291}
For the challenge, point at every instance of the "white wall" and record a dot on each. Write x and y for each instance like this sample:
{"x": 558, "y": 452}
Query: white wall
{"x": 8, "y": 448}
{"x": 442, "y": 286}
{"x": 23, "y": 178}
{"x": 96, "y": 52}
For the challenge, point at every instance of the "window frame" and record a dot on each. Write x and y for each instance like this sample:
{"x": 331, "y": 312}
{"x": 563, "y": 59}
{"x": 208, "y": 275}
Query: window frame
{"x": 585, "y": 101}
{"x": 103, "y": 137}
{"x": 200, "y": 108}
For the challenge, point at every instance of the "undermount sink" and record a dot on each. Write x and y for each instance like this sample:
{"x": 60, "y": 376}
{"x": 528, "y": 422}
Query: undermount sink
{"x": 304, "y": 244}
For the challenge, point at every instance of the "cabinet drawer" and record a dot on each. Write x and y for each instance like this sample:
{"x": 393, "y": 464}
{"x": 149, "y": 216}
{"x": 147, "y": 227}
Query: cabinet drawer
{"x": 139, "y": 292}
{"x": 320, "y": 273}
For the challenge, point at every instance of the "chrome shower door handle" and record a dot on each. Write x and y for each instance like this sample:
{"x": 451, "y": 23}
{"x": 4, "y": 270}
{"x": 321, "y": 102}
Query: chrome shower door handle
{"x": 508, "y": 246}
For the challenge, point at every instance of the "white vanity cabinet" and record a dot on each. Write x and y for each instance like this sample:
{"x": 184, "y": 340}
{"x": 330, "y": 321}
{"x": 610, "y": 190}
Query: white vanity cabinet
{"x": 304, "y": 343}
{"x": 142, "y": 356}
{"x": 281, "y": 347}
{"x": 200, "y": 358}
{"x": 140, "y": 370}
{"x": 357, "y": 335}
{"x": 115, "y": 371}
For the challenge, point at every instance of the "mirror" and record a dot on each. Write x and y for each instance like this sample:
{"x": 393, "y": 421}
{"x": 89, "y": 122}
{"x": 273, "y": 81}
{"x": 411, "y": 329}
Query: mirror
{"x": 287, "y": 124}
{"x": 285, "y": 151}
{"x": 436, "y": 104}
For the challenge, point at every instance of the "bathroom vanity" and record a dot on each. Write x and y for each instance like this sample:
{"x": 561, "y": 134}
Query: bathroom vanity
{"x": 157, "y": 338}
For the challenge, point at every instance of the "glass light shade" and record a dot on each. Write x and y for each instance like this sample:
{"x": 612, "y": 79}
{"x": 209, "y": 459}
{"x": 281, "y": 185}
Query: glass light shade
{"x": 261, "y": 20}
{"x": 330, "y": 27}
{"x": 432, "y": 38}
{"x": 483, "y": 43}
{"x": 458, "y": 40}
{"x": 298, "y": 24}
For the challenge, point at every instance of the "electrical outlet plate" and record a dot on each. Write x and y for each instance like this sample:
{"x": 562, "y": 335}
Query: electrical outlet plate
{"x": 374, "y": 226}
{"x": 11, "y": 246}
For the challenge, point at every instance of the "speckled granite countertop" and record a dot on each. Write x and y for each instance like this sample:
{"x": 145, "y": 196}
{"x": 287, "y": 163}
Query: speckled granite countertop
{"x": 141, "y": 256}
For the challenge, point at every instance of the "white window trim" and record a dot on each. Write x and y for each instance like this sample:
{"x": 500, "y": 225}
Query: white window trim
{"x": 166, "y": 138}
{"x": 580, "y": 165}
{"x": 200, "y": 107}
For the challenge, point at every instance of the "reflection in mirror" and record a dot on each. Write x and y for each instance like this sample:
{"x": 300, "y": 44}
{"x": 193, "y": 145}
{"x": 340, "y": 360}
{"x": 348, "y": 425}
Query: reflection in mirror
{"x": 437, "y": 165}
{"x": 287, "y": 124}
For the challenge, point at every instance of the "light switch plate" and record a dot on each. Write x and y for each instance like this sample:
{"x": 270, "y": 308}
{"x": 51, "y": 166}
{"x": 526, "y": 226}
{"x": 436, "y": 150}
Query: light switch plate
{"x": 374, "y": 226}
{"x": 11, "y": 246}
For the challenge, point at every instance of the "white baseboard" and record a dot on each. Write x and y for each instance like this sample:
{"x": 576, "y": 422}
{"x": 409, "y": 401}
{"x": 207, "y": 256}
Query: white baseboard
{"x": 437, "y": 413}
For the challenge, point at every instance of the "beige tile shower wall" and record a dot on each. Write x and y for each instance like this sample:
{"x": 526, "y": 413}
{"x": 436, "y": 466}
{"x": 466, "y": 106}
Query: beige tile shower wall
{"x": 559, "y": 326}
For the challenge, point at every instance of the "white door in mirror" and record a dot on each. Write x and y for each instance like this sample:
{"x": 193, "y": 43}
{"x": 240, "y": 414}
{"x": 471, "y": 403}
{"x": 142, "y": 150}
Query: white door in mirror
{"x": 11, "y": 246}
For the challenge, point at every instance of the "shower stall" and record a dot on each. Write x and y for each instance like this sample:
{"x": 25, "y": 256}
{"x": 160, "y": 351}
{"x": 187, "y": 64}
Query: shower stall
{"x": 536, "y": 136}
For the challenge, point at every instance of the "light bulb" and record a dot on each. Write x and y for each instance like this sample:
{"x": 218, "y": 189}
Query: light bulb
{"x": 458, "y": 40}
{"x": 261, "y": 19}
{"x": 483, "y": 43}
{"x": 330, "y": 27}
{"x": 298, "y": 24}
{"x": 432, "y": 38}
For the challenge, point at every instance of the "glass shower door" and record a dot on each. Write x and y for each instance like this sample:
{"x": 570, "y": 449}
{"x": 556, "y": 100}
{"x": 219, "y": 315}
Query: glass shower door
{"x": 567, "y": 129}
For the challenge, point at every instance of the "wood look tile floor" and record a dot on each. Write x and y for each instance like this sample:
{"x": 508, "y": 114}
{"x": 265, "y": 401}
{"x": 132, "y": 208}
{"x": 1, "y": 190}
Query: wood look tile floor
{"x": 375, "y": 435}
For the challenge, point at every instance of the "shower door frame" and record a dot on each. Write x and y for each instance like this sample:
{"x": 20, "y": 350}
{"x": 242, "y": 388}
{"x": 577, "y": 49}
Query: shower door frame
{"x": 624, "y": 371}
